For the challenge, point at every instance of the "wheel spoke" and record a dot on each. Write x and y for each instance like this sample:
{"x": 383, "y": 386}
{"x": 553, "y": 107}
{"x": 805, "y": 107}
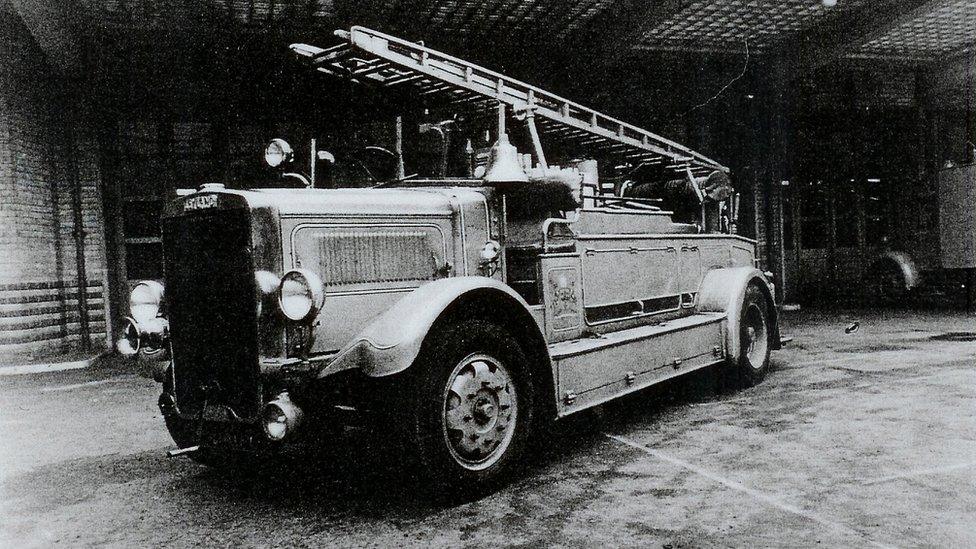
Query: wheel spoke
{"x": 463, "y": 387}
{"x": 458, "y": 418}
{"x": 484, "y": 376}
{"x": 468, "y": 445}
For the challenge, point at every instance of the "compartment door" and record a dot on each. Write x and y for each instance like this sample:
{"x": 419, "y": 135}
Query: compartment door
{"x": 625, "y": 276}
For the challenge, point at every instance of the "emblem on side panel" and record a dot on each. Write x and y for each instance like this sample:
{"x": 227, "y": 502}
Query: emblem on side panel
{"x": 563, "y": 301}
{"x": 563, "y": 286}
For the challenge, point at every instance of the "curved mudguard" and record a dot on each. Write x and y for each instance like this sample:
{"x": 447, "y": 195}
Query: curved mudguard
{"x": 724, "y": 290}
{"x": 391, "y": 342}
{"x": 906, "y": 265}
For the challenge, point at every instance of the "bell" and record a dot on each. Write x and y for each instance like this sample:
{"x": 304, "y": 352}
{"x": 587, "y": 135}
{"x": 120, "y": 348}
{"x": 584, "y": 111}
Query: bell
{"x": 503, "y": 164}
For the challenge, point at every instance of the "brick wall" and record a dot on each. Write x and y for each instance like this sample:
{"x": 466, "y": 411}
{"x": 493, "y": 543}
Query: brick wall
{"x": 45, "y": 150}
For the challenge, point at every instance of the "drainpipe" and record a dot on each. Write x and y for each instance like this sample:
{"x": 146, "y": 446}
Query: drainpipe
{"x": 78, "y": 233}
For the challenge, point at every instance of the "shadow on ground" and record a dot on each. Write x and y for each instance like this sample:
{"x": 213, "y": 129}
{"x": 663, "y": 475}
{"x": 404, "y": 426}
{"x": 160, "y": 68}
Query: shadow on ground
{"x": 360, "y": 473}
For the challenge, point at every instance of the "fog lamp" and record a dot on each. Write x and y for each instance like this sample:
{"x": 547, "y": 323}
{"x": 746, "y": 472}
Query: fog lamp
{"x": 278, "y": 152}
{"x": 129, "y": 343}
{"x": 301, "y": 295}
{"x": 145, "y": 300}
{"x": 154, "y": 335}
{"x": 280, "y": 417}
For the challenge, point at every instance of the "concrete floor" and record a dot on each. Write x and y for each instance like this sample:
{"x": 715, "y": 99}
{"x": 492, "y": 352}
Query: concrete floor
{"x": 866, "y": 439}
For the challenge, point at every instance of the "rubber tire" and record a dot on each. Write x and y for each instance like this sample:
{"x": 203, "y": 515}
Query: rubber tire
{"x": 746, "y": 373}
{"x": 886, "y": 286}
{"x": 441, "y": 476}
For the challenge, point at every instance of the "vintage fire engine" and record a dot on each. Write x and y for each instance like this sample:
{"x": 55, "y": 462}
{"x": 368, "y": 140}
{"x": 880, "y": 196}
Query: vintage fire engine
{"x": 462, "y": 312}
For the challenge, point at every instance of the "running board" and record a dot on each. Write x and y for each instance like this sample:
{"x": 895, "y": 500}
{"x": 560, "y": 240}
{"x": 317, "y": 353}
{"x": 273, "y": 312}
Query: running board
{"x": 564, "y": 349}
{"x": 592, "y": 371}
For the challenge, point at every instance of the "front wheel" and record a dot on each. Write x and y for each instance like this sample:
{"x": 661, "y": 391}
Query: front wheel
{"x": 752, "y": 362}
{"x": 471, "y": 422}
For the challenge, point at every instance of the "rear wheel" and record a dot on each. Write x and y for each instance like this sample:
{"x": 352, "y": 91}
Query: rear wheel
{"x": 755, "y": 332}
{"x": 886, "y": 284}
{"x": 471, "y": 420}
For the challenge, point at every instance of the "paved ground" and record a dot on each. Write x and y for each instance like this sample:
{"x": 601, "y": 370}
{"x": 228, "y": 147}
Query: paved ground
{"x": 866, "y": 439}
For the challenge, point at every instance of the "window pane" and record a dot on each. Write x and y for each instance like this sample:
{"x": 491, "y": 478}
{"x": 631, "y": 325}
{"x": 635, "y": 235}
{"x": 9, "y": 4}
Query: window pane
{"x": 845, "y": 214}
{"x": 787, "y": 219}
{"x": 144, "y": 261}
{"x": 813, "y": 212}
{"x": 141, "y": 218}
{"x": 875, "y": 212}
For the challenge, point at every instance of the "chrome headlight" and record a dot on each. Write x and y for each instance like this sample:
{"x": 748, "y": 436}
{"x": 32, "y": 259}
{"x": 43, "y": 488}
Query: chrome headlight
{"x": 131, "y": 339}
{"x": 301, "y": 295}
{"x": 280, "y": 417}
{"x": 145, "y": 300}
{"x": 278, "y": 152}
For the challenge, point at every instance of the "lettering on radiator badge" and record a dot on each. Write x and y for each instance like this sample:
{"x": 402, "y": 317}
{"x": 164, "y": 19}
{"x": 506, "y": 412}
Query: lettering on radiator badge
{"x": 200, "y": 202}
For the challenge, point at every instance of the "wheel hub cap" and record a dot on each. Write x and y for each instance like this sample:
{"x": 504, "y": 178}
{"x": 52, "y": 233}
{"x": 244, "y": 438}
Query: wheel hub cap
{"x": 484, "y": 411}
{"x": 480, "y": 411}
{"x": 756, "y": 339}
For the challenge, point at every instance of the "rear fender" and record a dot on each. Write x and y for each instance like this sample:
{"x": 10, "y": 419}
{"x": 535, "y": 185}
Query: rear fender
{"x": 905, "y": 265}
{"x": 390, "y": 343}
{"x": 724, "y": 291}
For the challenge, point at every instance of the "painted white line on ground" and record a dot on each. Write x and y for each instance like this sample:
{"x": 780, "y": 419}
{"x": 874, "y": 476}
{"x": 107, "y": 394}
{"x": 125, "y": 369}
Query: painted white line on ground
{"x": 896, "y": 381}
{"x": 858, "y": 358}
{"x": 81, "y": 385}
{"x": 726, "y": 401}
{"x": 756, "y": 494}
{"x": 792, "y": 365}
{"x": 42, "y": 368}
{"x": 920, "y": 472}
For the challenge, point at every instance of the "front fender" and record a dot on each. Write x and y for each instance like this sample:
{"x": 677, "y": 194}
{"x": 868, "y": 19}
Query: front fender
{"x": 391, "y": 342}
{"x": 724, "y": 291}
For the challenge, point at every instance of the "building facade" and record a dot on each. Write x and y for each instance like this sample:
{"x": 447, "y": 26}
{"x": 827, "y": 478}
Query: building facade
{"x": 107, "y": 107}
{"x": 53, "y": 267}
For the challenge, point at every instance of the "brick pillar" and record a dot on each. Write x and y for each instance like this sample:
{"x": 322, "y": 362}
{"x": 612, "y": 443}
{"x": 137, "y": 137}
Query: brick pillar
{"x": 40, "y": 171}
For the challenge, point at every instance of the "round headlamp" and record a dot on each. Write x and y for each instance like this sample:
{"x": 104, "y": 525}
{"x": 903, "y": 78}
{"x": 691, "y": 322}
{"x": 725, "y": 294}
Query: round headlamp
{"x": 280, "y": 418}
{"x": 145, "y": 300}
{"x": 278, "y": 152}
{"x": 301, "y": 295}
{"x": 131, "y": 339}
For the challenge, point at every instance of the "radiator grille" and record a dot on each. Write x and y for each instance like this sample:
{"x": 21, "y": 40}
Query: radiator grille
{"x": 365, "y": 256}
{"x": 212, "y": 311}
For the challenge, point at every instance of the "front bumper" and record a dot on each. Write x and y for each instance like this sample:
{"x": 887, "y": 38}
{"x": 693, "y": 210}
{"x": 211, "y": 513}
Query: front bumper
{"x": 328, "y": 406}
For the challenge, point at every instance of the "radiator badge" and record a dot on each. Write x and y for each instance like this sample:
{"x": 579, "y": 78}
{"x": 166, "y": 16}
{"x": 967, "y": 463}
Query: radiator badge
{"x": 203, "y": 202}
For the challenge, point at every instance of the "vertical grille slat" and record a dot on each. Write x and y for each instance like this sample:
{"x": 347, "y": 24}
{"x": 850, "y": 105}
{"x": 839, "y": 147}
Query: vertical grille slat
{"x": 212, "y": 311}
{"x": 351, "y": 257}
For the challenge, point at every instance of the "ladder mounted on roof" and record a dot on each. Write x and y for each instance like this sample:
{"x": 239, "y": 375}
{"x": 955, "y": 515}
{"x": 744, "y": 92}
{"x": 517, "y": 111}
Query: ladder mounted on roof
{"x": 366, "y": 55}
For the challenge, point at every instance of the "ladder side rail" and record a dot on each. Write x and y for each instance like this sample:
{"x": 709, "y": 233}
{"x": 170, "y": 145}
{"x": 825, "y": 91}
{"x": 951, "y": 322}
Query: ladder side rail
{"x": 449, "y": 71}
{"x": 487, "y": 78}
